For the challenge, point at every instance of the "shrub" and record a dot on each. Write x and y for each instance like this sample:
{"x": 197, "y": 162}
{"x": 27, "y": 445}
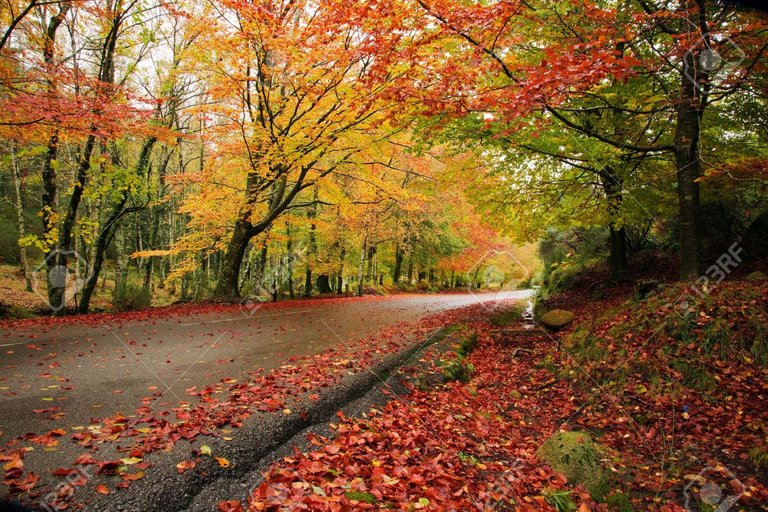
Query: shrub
{"x": 131, "y": 298}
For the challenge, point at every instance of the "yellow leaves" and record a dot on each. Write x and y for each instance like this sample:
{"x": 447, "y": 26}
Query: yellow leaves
{"x": 224, "y": 463}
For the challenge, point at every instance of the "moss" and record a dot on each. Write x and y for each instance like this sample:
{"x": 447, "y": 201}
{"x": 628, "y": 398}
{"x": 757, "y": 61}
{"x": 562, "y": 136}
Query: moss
{"x": 576, "y": 456}
{"x": 364, "y": 497}
{"x": 508, "y": 317}
{"x": 467, "y": 344}
{"x": 458, "y": 369}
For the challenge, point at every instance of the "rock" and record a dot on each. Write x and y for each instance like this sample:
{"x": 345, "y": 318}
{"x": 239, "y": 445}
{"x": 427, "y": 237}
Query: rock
{"x": 556, "y": 319}
{"x": 577, "y": 456}
{"x": 756, "y": 276}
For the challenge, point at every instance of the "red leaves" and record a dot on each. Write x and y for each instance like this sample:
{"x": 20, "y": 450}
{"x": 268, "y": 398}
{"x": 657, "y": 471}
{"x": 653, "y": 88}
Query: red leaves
{"x": 22, "y": 485}
{"x": 230, "y": 506}
{"x": 49, "y": 439}
{"x": 13, "y": 465}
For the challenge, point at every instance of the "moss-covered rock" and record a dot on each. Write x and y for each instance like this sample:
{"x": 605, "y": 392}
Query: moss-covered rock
{"x": 556, "y": 319}
{"x": 577, "y": 456}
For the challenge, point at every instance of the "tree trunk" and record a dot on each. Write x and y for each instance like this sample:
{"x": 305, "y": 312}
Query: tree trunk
{"x": 612, "y": 185}
{"x": 410, "y": 267}
{"x": 398, "y": 264}
{"x": 324, "y": 283}
{"x": 342, "y": 256}
{"x": 363, "y": 253}
{"x": 371, "y": 254}
{"x": 20, "y": 224}
{"x": 227, "y": 287}
{"x": 262, "y": 264}
{"x": 289, "y": 258}
{"x": 121, "y": 265}
{"x": 102, "y": 242}
{"x": 311, "y": 213}
{"x": 693, "y": 96}
{"x": 49, "y": 213}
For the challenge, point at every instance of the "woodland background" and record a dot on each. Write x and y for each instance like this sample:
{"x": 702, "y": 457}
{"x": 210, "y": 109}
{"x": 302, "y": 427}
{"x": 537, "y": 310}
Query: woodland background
{"x": 152, "y": 152}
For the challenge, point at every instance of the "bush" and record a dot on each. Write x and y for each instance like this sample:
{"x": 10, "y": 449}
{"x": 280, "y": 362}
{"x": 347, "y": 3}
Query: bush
{"x": 131, "y": 298}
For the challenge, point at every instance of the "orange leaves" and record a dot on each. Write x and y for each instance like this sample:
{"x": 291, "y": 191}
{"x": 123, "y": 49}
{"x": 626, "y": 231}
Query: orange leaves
{"x": 185, "y": 465}
{"x": 12, "y": 461}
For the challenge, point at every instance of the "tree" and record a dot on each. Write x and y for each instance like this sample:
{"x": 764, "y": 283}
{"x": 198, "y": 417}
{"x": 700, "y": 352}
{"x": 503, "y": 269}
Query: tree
{"x": 298, "y": 115}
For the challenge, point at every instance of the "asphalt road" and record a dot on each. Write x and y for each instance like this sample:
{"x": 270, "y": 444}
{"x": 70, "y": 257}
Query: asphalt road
{"x": 104, "y": 368}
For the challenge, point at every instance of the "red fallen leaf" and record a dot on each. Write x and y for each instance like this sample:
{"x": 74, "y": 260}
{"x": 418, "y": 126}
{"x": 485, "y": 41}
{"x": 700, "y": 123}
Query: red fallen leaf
{"x": 185, "y": 465}
{"x": 13, "y": 461}
{"x": 19, "y": 486}
{"x": 230, "y": 506}
{"x": 85, "y": 459}
{"x": 45, "y": 411}
{"x": 102, "y": 489}
{"x": 62, "y": 471}
{"x": 132, "y": 477}
{"x": 107, "y": 467}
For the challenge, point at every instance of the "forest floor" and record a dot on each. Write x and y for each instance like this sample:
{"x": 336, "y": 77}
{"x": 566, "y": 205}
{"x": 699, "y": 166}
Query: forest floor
{"x": 16, "y": 301}
{"x": 653, "y": 399}
{"x": 668, "y": 408}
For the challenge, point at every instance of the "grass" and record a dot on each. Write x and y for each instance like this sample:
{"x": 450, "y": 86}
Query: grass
{"x": 363, "y": 497}
{"x": 459, "y": 368}
{"x": 559, "y": 499}
{"x": 508, "y": 317}
{"x": 695, "y": 376}
{"x": 619, "y": 502}
{"x": 759, "y": 457}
